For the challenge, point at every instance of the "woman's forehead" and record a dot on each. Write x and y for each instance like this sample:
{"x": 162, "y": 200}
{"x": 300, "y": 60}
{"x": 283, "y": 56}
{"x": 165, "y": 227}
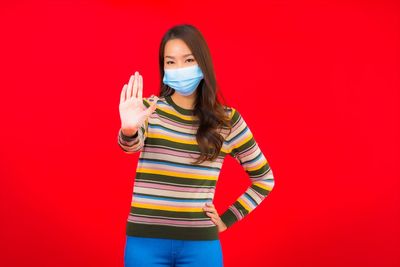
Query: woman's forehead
{"x": 176, "y": 48}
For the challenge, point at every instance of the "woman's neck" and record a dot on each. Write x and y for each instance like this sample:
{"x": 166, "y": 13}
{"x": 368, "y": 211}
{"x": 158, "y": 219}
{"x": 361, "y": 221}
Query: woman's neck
{"x": 186, "y": 102}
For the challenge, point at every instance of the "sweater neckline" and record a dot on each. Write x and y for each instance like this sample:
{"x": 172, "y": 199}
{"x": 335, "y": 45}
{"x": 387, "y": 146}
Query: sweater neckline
{"x": 180, "y": 109}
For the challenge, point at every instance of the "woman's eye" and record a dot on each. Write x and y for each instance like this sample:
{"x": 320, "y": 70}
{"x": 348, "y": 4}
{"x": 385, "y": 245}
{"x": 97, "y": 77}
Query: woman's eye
{"x": 190, "y": 60}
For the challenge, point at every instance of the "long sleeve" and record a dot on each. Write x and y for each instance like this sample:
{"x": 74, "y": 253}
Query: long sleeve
{"x": 244, "y": 148}
{"x": 135, "y": 143}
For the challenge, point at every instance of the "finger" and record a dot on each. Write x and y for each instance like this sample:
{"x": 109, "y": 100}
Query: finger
{"x": 211, "y": 209}
{"x": 216, "y": 221}
{"x": 140, "y": 89}
{"x": 135, "y": 84}
{"x": 153, "y": 99}
{"x": 129, "y": 90}
{"x": 151, "y": 108}
{"x": 123, "y": 93}
{"x": 212, "y": 215}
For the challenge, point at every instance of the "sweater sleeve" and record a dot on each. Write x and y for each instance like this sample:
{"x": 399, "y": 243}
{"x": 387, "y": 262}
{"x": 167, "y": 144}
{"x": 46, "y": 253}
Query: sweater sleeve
{"x": 135, "y": 143}
{"x": 243, "y": 147}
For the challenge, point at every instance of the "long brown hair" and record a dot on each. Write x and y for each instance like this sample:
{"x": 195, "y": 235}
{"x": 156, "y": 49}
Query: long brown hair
{"x": 210, "y": 112}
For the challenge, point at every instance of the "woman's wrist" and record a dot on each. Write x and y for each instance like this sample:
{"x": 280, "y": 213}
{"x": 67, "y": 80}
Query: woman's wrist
{"x": 129, "y": 133}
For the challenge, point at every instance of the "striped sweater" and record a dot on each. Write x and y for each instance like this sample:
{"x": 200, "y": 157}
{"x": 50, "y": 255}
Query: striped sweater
{"x": 169, "y": 192}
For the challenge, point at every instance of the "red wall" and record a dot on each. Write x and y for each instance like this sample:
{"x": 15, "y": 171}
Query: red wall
{"x": 317, "y": 82}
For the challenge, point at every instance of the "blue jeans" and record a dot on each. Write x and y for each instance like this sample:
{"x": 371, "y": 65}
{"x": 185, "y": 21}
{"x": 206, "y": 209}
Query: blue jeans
{"x": 160, "y": 252}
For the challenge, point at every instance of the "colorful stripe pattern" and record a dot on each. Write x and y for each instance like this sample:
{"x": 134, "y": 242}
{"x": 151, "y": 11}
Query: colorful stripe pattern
{"x": 170, "y": 192}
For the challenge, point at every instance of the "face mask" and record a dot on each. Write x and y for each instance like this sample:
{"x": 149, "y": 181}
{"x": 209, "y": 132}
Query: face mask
{"x": 183, "y": 80}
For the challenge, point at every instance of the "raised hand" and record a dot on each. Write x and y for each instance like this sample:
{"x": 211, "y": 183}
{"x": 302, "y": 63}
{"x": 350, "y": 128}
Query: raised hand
{"x": 132, "y": 111}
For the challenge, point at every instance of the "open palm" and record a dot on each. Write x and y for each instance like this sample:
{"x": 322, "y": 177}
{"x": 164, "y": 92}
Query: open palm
{"x": 132, "y": 111}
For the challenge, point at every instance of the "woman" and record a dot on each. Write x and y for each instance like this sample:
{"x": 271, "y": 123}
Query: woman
{"x": 183, "y": 137}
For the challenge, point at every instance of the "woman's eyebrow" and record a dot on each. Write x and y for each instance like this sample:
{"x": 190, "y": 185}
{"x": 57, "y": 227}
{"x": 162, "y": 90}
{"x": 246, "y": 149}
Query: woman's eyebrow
{"x": 183, "y": 56}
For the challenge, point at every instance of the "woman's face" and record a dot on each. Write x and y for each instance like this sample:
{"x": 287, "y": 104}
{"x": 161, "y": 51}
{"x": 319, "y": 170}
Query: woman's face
{"x": 177, "y": 55}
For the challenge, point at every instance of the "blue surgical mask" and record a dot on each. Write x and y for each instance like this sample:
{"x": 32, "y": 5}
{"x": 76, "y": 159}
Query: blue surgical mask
{"x": 183, "y": 80}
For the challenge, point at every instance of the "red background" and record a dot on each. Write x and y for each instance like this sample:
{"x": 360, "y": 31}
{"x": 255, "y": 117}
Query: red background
{"x": 317, "y": 82}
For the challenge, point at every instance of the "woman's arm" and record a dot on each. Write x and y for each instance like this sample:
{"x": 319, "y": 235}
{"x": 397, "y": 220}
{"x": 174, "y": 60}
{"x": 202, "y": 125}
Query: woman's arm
{"x": 244, "y": 148}
{"x": 132, "y": 144}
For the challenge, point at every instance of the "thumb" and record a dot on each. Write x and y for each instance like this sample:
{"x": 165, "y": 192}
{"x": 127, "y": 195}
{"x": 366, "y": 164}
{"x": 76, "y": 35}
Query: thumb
{"x": 151, "y": 108}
